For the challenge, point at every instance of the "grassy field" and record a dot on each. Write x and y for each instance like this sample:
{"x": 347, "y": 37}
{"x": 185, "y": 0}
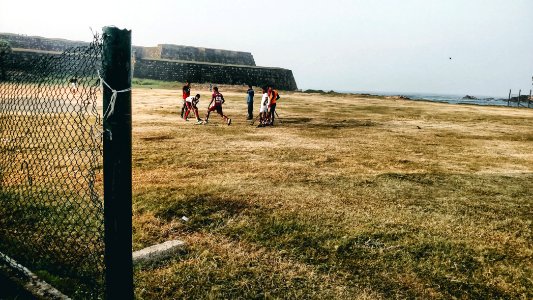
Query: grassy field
{"x": 350, "y": 197}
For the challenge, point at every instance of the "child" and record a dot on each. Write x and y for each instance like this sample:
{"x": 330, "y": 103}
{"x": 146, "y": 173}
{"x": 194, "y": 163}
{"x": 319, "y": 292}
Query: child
{"x": 218, "y": 100}
{"x": 263, "y": 109}
{"x": 186, "y": 93}
{"x": 273, "y": 95}
{"x": 250, "y": 102}
{"x": 73, "y": 84}
{"x": 192, "y": 104}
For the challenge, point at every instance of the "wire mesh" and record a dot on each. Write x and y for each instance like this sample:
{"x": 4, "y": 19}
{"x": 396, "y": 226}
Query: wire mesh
{"x": 51, "y": 204}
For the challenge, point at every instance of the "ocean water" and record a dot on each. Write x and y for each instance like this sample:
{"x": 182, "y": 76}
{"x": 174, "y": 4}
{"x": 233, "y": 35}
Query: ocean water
{"x": 458, "y": 99}
{"x": 453, "y": 99}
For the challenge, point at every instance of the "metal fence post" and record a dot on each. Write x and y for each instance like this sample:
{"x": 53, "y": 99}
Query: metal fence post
{"x": 116, "y": 66}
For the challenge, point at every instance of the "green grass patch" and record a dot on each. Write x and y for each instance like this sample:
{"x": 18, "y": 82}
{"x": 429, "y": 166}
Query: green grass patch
{"x": 374, "y": 255}
{"x": 155, "y": 84}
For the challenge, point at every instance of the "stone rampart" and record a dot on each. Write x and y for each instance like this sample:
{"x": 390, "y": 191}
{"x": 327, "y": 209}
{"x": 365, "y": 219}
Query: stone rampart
{"x": 37, "y": 65}
{"x": 198, "y": 54}
{"x": 164, "y": 62}
{"x": 171, "y": 70}
{"x": 39, "y": 43}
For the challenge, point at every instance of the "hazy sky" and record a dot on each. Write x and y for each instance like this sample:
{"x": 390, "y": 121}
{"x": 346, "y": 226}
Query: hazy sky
{"x": 362, "y": 45}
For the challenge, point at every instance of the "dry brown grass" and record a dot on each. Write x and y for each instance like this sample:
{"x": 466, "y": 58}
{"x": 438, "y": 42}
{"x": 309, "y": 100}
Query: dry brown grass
{"x": 351, "y": 197}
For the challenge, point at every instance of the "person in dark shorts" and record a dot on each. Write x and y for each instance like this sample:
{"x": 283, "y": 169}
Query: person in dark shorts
{"x": 250, "y": 102}
{"x": 273, "y": 96}
{"x": 186, "y": 93}
{"x": 192, "y": 105}
{"x": 216, "y": 104}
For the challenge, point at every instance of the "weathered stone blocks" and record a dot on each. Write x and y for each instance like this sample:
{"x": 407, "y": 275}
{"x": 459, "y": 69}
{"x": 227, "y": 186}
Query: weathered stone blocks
{"x": 164, "y": 62}
{"x": 215, "y": 73}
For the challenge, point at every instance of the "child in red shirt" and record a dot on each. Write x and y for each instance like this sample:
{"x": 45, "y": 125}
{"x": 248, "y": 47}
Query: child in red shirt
{"x": 216, "y": 104}
{"x": 186, "y": 93}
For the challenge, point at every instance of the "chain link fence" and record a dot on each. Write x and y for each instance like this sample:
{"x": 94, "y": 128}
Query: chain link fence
{"x": 51, "y": 190}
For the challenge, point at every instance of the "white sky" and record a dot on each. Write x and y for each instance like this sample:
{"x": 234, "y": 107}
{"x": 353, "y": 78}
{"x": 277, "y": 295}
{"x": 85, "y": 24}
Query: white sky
{"x": 359, "y": 45}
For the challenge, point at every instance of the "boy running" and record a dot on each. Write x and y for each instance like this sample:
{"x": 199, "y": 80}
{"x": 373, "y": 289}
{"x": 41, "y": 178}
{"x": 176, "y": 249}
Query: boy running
{"x": 192, "y": 104}
{"x": 186, "y": 93}
{"x": 216, "y": 104}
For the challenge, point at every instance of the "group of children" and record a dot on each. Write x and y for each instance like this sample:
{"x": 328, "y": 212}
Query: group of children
{"x": 190, "y": 103}
{"x": 267, "y": 111}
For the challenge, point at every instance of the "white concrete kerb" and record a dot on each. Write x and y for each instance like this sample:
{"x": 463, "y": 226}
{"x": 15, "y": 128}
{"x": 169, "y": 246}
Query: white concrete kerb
{"x": 40, "y": 288}
{"x": 32, "y": 283}
{"x": 157, "y": 252}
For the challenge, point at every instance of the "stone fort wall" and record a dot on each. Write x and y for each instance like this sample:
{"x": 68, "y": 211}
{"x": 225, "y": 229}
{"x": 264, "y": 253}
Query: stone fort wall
{"x": 198, "y": 54}
{"x": 39, "y": 43}
{"x": 24, "y": 62}
{"x": 161, "y": 69}
{"x": 167, "y": 62}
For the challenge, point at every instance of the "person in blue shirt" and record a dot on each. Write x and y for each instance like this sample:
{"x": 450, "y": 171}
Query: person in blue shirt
{"x": 250, "y": 102}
